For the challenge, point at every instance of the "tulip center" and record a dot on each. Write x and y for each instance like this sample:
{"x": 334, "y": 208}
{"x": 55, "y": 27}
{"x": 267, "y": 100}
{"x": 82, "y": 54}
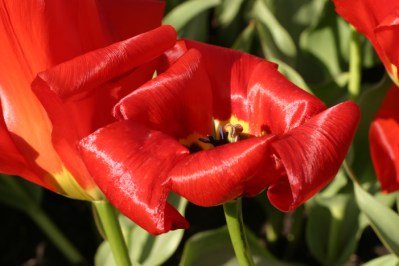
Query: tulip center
{"x": 227, "y": 134}
{"x": 224, "y": 132}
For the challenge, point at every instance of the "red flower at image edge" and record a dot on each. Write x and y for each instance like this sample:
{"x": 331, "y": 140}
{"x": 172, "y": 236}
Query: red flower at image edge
{"x": 384, "y": 141}
{"x": 379, "y": 22}
{"x": 82, "y": 45}
{"x": 290, "y": 142}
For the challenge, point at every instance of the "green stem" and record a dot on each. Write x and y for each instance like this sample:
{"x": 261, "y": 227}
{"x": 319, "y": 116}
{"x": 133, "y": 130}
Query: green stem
{"x": 235, "y": 224}
{"x": 355, "y": 65}
{"x": 55, "y": 235}
{"x": 113, "y": 232}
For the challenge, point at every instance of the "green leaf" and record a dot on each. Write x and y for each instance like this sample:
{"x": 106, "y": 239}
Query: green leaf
{"x": 333, "y": 228}
{"x": 228, "y": 10}
{"x": 328, "y": 41}
{"x": 292, "y": 75}
{"x": 19, "y": 193}
{"x": 183, "y": 13}
{"x": 214, "y": 248}
{"x": 338, "y": 183}
{"x": 387, "y": 260}
{"x": 244, "y": 41}
{"x": 277, "y": 34}
{"x": 144, "y": 248}
{"x": 382, "y": 219}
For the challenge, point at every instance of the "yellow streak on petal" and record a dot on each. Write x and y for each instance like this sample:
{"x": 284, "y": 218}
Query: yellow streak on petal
{"x": 70, "y": 188}
{"x": 394, "y": 74}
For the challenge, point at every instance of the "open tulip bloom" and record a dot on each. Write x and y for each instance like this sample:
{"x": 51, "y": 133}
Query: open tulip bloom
{"x": 379, "y": 22}
{"x": 213, "y": 126}
{"x": 268, "y": 132}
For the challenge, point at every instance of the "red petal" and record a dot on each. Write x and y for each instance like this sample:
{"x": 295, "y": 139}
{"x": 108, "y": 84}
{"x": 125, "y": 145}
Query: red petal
{"x": 127, "y": 18}
{"x": 384, "y": 141}
{"x": 85, "y": 26}
{"x": 86, "y": 72}
{"x": 224, "y": 173}
{"x": 276, "y": 104}
{"x": 178, "y": 102}
{"x": 56, "y": 31}
{"x": 11, "y": 160}
{"x": 130, "y": 164}
{"x": 74, "y": 118}
{"x": 377, "y": 20}
{"x": 387, "y": 36}
{"x": 253, "y": 90}
{"x": 229, "y": 73}
{"x": 311, "y": 154}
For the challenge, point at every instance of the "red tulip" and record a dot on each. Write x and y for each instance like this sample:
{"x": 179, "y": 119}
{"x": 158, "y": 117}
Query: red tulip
{"x": 384, "y": 141}
{"x": 379, "y": 22}
{"x": 89, "y": 66}
{"x": 290, "y": 142}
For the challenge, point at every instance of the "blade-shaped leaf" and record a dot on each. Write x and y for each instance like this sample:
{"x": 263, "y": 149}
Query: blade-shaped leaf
{"x": 387, "y": 260}
{"x": 228, "y": 11}
{"x": 183, "y": 13}
{"x": 214, "y": 248}
{"x": 19, "y": 193}
{"x": 279, "y": 36}
{"x": 383, "y": 220}
{"x": 333, "y": 228}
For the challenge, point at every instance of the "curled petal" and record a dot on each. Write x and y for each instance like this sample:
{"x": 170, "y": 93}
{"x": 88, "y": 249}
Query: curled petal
{"x": 384, "y": 142}
{"x": 311, "y": 154}
{"x": 130, "y": 163}
{"x": 224, "y": 173}
{"x": 178, "y": 102}
{"x": 86, "y": 72}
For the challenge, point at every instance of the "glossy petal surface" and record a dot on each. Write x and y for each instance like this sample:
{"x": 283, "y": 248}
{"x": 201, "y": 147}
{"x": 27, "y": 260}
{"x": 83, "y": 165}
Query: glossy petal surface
{"x": 384, "y": 141}
{"x": 310, "y": 155}
{"x": 130, "y": 164}
{"x": 291, "y": 142}
{"x": 28, "y": 48}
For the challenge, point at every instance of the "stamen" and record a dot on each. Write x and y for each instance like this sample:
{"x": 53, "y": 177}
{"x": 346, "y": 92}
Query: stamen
{"x": 223, "y": 137}
{"x": 236, "y": 131}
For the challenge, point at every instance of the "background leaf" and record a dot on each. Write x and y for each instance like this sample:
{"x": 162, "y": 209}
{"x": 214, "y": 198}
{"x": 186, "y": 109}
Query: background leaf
{"x": 185, "y": 12}
{"x": 383, "y": 220}
{"x": 214, "y": 248}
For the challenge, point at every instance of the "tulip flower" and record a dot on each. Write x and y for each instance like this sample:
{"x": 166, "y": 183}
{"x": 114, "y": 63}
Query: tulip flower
{"x": 94, "y": 49}
{"x": 378, "y": 21}
{"x": 384, "y": 141}
{"x": 213, "y": 126}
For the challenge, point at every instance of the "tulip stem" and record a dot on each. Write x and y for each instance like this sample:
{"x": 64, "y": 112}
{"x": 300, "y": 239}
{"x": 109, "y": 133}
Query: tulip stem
{"x": 236, "y": 227}
{"x": 355, "y": 65}
{"x": 111, "y": 228}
